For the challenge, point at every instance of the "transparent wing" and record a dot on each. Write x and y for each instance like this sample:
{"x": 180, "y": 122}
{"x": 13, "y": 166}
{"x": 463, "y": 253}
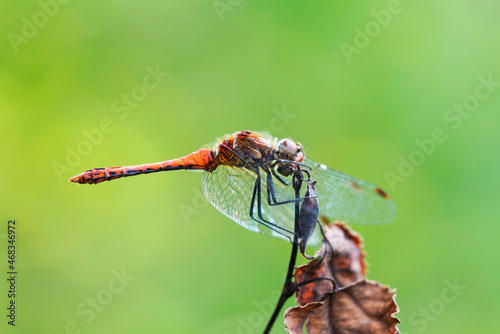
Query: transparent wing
{"x": 229, "y": 189}
{"x": 346, "y": 198}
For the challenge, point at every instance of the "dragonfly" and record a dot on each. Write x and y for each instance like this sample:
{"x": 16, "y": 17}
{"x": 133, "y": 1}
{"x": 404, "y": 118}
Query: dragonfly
{"x": 248, "y": 176}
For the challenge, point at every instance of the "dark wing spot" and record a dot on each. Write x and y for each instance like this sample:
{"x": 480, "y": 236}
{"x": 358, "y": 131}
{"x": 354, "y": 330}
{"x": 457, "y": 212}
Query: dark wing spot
{"x": 355, "y": 186}
{"x": 381, "y": 193}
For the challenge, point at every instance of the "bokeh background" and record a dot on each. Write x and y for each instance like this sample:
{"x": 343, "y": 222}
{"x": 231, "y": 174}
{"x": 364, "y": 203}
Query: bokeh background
{"x": 299, "y": 69}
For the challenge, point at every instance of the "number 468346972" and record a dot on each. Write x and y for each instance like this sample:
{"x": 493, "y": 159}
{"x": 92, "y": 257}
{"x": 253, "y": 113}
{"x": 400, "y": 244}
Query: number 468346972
{"x": 11, "y": 249}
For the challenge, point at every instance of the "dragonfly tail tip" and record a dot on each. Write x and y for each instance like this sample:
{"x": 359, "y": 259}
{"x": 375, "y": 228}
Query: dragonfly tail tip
{"x": 76, "y": 179}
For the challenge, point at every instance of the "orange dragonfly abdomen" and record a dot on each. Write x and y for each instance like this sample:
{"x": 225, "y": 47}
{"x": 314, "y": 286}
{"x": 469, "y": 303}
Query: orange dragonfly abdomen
{"x": 201, "y": 159}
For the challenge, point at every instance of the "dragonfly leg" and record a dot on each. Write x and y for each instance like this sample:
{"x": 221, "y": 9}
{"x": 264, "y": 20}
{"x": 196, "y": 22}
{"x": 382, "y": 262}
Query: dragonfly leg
{"x": 271, "y": 195}
{"x": 278, "y": 177}
{"x": 256, "y": 197}
{"x": 277, "y": 161}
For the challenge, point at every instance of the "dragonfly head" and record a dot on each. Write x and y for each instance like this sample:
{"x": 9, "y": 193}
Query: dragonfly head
{"x": 290, "y": 150}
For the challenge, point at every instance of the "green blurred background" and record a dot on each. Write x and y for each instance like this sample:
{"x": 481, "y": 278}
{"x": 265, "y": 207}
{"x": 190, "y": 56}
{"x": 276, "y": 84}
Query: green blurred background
{"x": 235, "y": 65}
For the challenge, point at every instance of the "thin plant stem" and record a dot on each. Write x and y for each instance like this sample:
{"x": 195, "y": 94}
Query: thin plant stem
{"x": 289, "y": 287}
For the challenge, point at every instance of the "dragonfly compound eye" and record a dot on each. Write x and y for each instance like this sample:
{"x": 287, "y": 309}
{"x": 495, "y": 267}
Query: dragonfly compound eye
{"x": 288, "y": 149}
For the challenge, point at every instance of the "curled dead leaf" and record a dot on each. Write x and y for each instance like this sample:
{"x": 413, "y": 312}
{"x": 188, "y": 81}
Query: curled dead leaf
{"x": 364, "y": 307}
{"x": 358, "y": 306}
{"x": 341, "y": 258}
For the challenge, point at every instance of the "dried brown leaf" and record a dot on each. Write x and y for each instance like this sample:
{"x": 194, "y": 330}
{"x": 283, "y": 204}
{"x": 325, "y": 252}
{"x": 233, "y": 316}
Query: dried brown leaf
{"x": 295, "y": 317}
{"x": 364, "y": 307}
{"x": 341, "y": 259}
{"x": 358, "y": 306}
